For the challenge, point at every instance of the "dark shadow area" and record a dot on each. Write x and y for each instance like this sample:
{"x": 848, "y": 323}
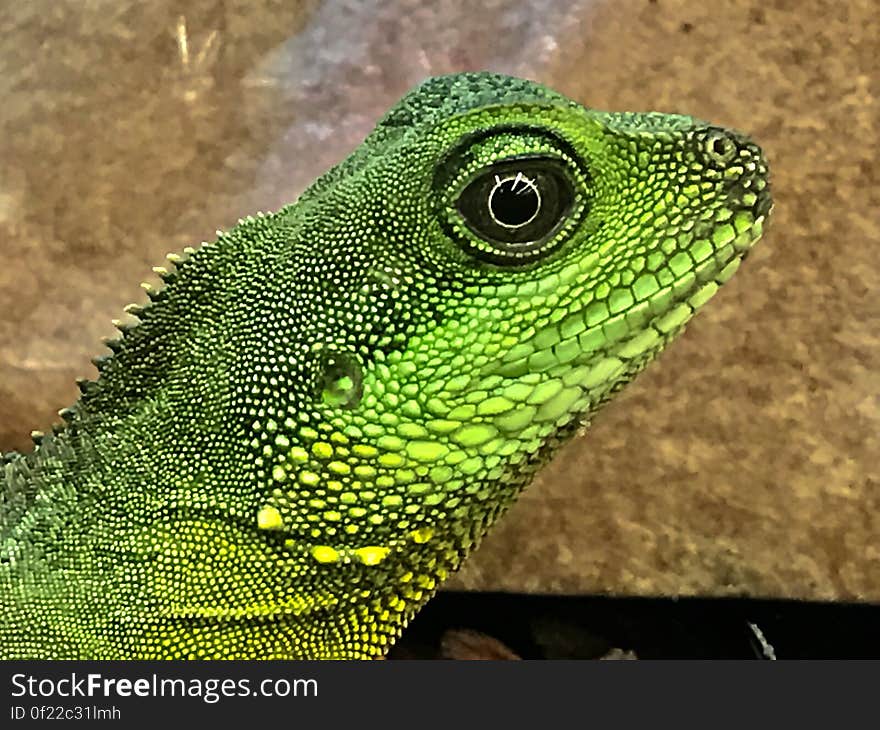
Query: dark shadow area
{"x": 589, "y": 627}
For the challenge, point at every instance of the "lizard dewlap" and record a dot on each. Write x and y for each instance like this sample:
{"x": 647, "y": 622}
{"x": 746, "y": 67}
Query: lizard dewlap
{"x": 322, "y": 412}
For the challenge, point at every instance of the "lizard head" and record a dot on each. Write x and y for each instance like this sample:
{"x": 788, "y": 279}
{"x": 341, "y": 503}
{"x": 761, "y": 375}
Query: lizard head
{"x": 496, "y": 261}
{"x": 325, "y": 409}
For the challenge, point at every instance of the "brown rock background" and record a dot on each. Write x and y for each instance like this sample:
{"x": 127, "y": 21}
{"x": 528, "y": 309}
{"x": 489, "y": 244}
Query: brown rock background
{"x": 744, "y": 461}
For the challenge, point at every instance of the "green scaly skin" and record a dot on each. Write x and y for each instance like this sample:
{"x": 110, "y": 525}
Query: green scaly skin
{"x": 322, "y": 412}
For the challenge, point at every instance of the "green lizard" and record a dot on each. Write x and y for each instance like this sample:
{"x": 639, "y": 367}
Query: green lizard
{"x": 320, "y": 413}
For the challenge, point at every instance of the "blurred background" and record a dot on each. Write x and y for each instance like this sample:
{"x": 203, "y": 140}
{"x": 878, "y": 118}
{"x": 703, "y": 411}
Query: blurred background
{"x": 744, "y": 462}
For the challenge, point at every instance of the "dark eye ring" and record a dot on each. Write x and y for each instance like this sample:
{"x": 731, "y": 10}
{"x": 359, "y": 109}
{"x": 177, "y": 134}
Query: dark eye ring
{"x": 516, "y": 207}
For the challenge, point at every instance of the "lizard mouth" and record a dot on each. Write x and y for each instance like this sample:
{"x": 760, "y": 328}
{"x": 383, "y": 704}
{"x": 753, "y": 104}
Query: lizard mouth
{"x": 695, "y": 288}
{"x": 609, "y": 368}
{"x": 623, "y": 358}
{"x": 626, "y": 340}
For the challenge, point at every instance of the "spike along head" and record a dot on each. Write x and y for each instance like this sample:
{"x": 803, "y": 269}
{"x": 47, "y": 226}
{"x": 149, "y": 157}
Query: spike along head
{"x": 539, "y": 254}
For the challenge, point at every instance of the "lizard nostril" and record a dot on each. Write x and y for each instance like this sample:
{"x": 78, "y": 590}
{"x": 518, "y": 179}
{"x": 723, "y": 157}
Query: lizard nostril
{"x": 720, "y": 147}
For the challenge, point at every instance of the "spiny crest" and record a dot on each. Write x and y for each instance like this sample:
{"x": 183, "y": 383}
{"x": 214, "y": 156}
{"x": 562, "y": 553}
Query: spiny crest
{"x": 139, "y": 313}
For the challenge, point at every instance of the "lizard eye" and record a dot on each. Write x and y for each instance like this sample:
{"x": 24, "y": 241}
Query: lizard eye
{"x": 516, "y": 206}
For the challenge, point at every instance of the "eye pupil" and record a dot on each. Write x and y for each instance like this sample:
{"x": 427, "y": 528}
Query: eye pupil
{"x": 514, "y": 201}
